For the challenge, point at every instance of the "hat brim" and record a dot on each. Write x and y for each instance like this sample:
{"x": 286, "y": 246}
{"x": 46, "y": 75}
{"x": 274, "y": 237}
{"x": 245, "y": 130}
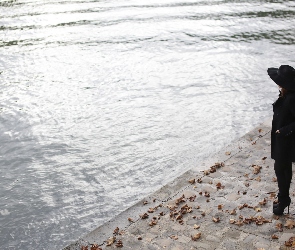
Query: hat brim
{"x": 282, "y": 82}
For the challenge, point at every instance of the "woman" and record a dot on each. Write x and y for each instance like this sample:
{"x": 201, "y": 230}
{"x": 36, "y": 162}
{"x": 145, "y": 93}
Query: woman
{"x": 283, "y": 133}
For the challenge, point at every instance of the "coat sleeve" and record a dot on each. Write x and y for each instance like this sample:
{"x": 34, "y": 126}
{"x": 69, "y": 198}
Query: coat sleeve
{"x": 290, "y": 128}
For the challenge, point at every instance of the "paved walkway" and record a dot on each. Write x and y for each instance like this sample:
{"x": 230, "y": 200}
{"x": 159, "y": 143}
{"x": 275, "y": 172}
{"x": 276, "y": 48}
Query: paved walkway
{"x": 226, "y": 206}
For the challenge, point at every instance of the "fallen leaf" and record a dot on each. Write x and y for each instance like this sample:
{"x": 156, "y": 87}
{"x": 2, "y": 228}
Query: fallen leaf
{"x": 203, "y": 214}
{"x": 174, "y": 237}
{"x": 290, "y": 224}
{"x": 264, "y": 158}
{"x": 199, "y": 180}
{"x": 220, "y": 206}
{"x": 263, "y": 202}
{"x": 290, "y": 242}
{"x": 196, "y": 226}
{"x": 95, "y": 247}
{"x": 153, "y": 222}
{"x": 274, "y": 237}
{"x": 196, "y": 236}
{"x": 116, "y": 231}
{"x": 144, "y": 216}
{"x": 192, "y": 198}
{"x": 215, "y": 219}
{"x": 151, "y": 210}
{"x": 145, "y": 202}
{"x": 111, "y": 241}
{"x": 233, "y": 212}
{"x": 256, "y": 169}
{"x": 192, "y": 181}
{"x": 257, "y": 209}
{"x": 129, "y": 219}
{"x": 84, "y": 247}
{"x": 206, "y": 172}
{"x": 260, "y": 130}
{"x": 239, "y": 223}
{"x": 247, "y": 184}
{"x": 232, "y": 221}
{"x": 139, "y": 238}
{"x": 119, "y": 243}
{"x": 279, "y": 226}
{"x": 258, "y": 178}
{"x": 274, "y": 179}
{"x": 227, "y": 153}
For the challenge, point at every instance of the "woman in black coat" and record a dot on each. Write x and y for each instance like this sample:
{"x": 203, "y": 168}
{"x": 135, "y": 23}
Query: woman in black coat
{"x": 283, "y": 133}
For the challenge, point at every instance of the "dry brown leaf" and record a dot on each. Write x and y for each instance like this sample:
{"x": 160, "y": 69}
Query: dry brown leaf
{"x": 199, "y": 180}
{"x": 111, "y": 241}
{"x": 196, "y": 226}
{"x": 220, "y": 206}
{"x": 233, "y": 212}
{"x": 192, "y": 198}
{"x": 130, "y": 219}
{"x": 174, "y": 237}
{"x": 207, "y": 194}
{"x": 274, "y": 179}
{"x": 232, "y": 221}
{"x": 247, "y": 184}
{"x": 256, "y": 169}
{"x": 239, "y": 223}
{"x": 116, "y": 231}
{"x": 84, "y": 247}
{"x": 145, "y": 202}
{"x": 196, "y": 236}
{"x": 260, "y": 130}
{"x": 192, "y": 181}
{"x": 139, "y": 238}
{"x": 215, "y": 219}
{"x": 227, "y": 153}
{"x": 263, "y": 202}
{"x": 203, "y": 214}
{"x": 144, "y": 216}
{"x": 151, "y": 210}
{"x": 290, "y": 242}
{"x": 257, "y": 209}
{"x": 153, "y": 222}
{"x": 264, "y": 158}
{"x": 279, "y": 226}
{"x": 206, "y": 172}
{"x": 119, "y": 243}
{"x": 290, "y": 224}
{"x": 258, "y": 178}
{"x": 274, "y": 237}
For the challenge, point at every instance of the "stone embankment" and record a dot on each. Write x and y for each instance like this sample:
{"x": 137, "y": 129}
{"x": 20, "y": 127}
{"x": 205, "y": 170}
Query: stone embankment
{"x": 226, "y": 206}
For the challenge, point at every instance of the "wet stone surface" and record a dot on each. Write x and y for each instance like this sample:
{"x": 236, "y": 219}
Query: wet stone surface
{"x": 227, "y": 206}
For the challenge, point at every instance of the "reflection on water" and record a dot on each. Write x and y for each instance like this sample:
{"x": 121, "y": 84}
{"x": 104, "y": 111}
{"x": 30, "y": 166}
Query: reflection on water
{"x": 103, "y": 102}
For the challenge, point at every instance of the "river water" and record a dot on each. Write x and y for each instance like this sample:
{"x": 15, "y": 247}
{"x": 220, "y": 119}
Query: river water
{"x": 103, "y": 102}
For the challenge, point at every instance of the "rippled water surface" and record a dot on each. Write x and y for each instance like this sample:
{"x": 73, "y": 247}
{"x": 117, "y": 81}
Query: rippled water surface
{"x": 103, "y": 102}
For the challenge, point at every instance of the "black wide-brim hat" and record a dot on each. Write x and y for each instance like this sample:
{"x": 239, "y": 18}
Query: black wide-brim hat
{"x": 283, "y": 76}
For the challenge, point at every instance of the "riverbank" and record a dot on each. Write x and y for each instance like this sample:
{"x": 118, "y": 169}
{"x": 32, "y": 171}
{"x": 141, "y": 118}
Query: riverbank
{"x": 226, "y": 206}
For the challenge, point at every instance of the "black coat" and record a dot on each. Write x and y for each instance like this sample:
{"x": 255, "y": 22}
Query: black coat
{"x": 283, "y": 144}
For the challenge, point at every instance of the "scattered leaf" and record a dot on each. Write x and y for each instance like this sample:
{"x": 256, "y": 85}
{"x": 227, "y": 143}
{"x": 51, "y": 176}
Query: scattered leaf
{"x": 192, "y": 198}
{"x": 196, "y": 226}
{"x": 139, "y": 238}
{"x": 227, "y": 153}
{"x": 144, "y": 216}
{"x": 145, "y": 202}
{"x": 215, "y": 219}
{"x": 220, "y": 206}
{"x": 232, "y": 221}
{"x": 233, "y": 212}
{"x": 274, "y": 179}
{"x": 264, "y": 158}
{"x": 260, "y": 130}
{"x": 263, "y": 202}
{"x": 111, "y": 241}
{"x": 279, "y": 226}
{"x": 206, "y": 172}
{"x": 290, "y": 224}
{"x": 153, "y": 222}
{"x": 274, "y": 237}
{"x": 116, "y": 231}
{"x": 256, "y": 169}
{"x": 119, "y": 243}
{"x": 174, "y": 237}
{"x": 290, "y": 242}
{"x": 151, "y": 210}
{"x": 199, "y": 180}
{"x": 258, "y": 178}
{"x": 196, "y": 236}
{"x": 95, "y": 247}
{"x": 84, "y": 247}
{"x": 131, "y": 220}
{"x": 192, "y": 181}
